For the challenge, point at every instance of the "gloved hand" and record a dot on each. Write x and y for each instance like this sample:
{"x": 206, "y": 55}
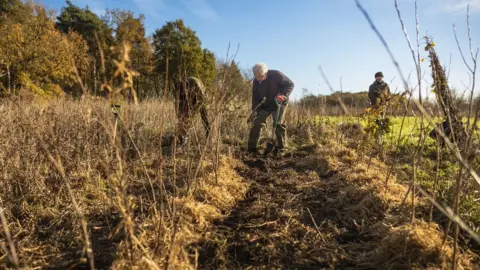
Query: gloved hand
{"x": 252, "y": 117}
{"x": 280, "y": 98}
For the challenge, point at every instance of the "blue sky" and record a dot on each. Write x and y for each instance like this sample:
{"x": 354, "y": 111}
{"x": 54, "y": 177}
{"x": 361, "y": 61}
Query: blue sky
{"x": 296, "y": 36}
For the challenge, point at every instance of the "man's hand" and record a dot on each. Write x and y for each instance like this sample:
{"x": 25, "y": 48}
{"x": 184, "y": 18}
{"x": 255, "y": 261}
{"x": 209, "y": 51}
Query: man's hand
{"x": 252, "y": 117}
{"x": 280, "y": 98}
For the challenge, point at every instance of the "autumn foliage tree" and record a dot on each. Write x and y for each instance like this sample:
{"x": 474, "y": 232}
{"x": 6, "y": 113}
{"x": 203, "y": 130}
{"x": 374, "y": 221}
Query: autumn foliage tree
{"x": 78, "y": 52}
{"x": 33, "y": 54}
{"x": 6, "y": 6}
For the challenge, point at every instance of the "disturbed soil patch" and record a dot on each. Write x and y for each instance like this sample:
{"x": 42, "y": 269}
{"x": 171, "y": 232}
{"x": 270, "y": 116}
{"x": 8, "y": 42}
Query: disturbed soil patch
{"x": 290, "y": 219}
{"x": 316, "y": 210}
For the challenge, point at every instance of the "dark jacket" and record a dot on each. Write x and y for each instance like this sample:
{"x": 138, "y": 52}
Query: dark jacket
{"x": 375, "y": 91}
{"x": 275, "y": 84}
{"x": 191, "y": 94}
{"x": 191, "y": 98}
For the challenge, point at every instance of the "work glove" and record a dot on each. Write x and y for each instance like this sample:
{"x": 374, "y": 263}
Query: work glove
{"x": 280, "y": 98}
{"x": 252, "y": 117}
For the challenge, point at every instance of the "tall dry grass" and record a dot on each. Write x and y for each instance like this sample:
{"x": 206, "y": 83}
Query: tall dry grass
{"x": 143, "y": 203}
{"x": 79, "y": 136}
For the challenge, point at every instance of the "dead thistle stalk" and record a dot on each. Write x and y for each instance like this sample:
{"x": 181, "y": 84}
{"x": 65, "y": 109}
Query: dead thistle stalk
{"x": 12, "y": 254}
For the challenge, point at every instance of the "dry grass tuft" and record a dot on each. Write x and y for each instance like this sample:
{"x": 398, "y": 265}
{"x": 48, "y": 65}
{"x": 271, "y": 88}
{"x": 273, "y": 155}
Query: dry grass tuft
{"x": 224, "y": 188}
{"x": 352, "y": 130}
{"x": 417, "y": 246}
{"x": 314, "y": 163}
{"x": 199, "y": 215}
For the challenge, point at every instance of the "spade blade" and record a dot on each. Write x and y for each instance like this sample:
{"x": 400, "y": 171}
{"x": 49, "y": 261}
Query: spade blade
{"x": 269, "y": 148}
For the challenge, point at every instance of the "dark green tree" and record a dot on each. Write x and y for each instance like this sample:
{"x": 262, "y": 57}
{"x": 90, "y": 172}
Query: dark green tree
{"x": 208, "y": 69}
{"x": 232, "y": 81}
{"x": 89, "y": 26}
{"x": 178, "y": 54}
{"x": 130, "y": 30}
{"x": 86, "y": 23}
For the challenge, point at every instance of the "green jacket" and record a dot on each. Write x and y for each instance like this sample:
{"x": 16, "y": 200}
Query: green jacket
{"x": 375, "y": 91}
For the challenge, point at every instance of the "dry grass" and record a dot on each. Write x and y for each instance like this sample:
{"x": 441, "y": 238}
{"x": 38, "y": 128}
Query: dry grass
{"x": 127, "y": 206}
{"x": 417, "y": 246}
{"x": 377, "y": 213}
{"x": 146, "y": 209}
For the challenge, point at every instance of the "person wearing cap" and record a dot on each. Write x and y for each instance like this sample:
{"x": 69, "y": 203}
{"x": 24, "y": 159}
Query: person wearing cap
{"x": 270, "y": 87}
{"x": 378, "y": 90}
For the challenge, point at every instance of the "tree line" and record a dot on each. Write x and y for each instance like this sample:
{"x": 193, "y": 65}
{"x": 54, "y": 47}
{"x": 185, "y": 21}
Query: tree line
{"x": 80, "y": 53}
{"x": 358, "y": 101}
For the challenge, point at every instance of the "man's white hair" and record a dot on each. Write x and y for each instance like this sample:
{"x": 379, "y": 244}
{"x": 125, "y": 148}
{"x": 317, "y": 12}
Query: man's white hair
{"x": 260, "y": 68}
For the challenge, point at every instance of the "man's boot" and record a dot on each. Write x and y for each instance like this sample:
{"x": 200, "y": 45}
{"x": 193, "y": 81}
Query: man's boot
{"x": 182, "y": 141}
{"x": 252, "y": 152}
{"x": 279, "y": 153}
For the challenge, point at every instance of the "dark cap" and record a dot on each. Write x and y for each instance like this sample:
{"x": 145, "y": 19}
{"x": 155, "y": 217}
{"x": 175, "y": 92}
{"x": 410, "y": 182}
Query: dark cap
{"x": 379, "y": 74}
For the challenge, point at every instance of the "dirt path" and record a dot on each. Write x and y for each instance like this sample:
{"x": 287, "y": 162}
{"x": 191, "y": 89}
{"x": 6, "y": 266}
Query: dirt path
{"x": 323, "y": 208}
{"x": 284, "y": 221}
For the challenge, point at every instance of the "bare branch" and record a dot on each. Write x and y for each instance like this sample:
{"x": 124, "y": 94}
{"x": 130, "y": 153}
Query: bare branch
{"x": 406, "y": 34}
{"x": 472, "y": 92}
{"x": 12, "y": 255}
{"x": 460, "y": 48}
{"x": 384, "y": 42}
{"x": 419, "y": 68}
{"x": 449, "y": 66}
{"x": 474, "y": 58}
{"x": 344, "y": 108}
{"x": 447, "y": 211}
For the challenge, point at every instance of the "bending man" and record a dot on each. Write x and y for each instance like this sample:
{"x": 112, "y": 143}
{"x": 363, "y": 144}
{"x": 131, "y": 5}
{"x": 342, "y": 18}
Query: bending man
{"x": 275, "y": 87}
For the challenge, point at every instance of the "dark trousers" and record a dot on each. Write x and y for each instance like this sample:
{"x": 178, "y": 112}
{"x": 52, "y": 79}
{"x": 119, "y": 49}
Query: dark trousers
{"x": 259, "y": 122}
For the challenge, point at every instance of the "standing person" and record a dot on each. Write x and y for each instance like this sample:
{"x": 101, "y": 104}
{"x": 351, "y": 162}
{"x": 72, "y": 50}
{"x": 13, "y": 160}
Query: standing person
{"x": 190, "y": 95}
{"x": 378, "y": 93}
{"x": 378, "y": 90}
{"x": 271, "y": 87}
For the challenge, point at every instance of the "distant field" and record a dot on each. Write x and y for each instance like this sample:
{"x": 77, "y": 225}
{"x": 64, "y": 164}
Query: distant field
{"x": 411, "y": 125}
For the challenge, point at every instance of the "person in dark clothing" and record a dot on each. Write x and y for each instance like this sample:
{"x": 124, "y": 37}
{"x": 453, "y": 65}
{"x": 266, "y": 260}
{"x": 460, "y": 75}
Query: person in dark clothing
{"x": 456, "y": 134}
{"x": 275, "y": 87}
{"x": 378, "y": 90}
{"x": 191, "y": 100}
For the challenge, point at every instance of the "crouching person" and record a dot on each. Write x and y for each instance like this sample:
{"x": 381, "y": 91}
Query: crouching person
{"x": 270, "y": 88}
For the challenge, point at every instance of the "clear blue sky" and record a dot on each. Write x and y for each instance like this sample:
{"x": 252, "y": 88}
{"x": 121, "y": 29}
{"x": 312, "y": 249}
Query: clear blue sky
{"x": 296, "y": 36}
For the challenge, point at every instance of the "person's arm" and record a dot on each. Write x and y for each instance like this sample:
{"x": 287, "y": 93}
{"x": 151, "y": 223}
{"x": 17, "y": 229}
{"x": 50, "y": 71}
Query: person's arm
{"x": 204, "y": 116}
{"x": 287, "y": 85}
{"x": 255, "y": 97}
{"x": 371, "y": 95}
